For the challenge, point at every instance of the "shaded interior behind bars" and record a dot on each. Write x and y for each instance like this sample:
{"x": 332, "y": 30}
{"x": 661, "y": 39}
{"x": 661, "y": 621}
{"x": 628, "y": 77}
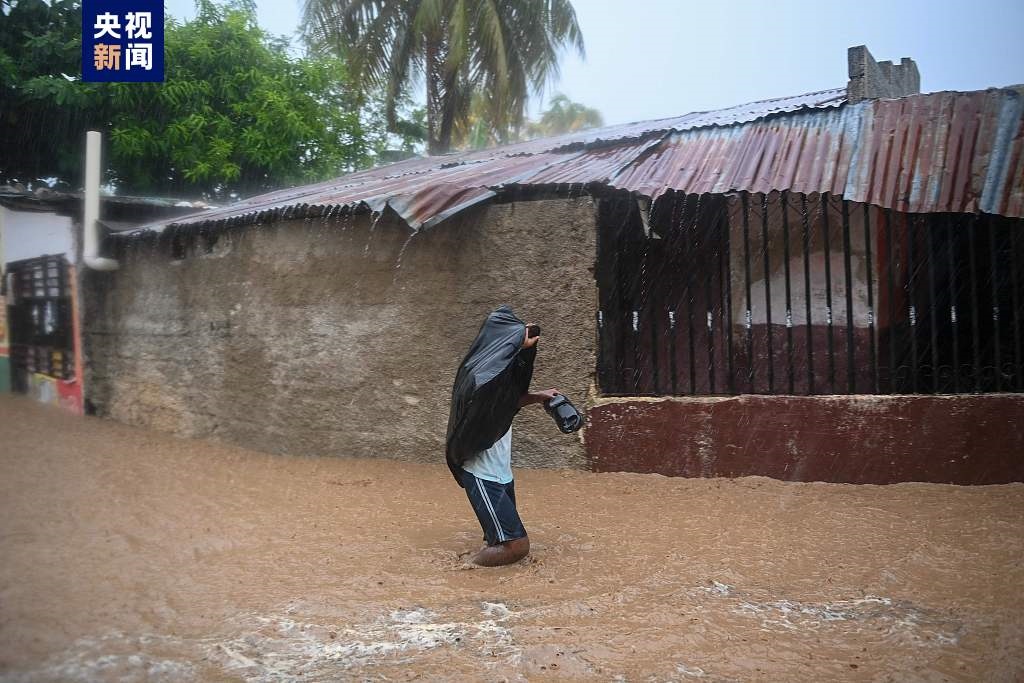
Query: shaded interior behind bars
{"x": 793, "y": 294}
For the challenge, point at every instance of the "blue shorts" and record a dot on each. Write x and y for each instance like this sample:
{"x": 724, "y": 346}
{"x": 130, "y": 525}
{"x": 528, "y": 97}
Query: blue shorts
{"x": 495, "y": 508}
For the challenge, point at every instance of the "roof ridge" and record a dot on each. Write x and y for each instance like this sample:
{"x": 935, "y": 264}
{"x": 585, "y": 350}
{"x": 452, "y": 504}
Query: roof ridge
{"x": 711, "y": 111}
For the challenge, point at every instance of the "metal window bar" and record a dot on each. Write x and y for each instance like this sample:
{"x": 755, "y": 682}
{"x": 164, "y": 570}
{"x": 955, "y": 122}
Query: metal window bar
{"x": 689, "y": 243}
{"x": 911, "y": 309}
{"x": 622, "y": 272}
{"x": 807, "y": 294}
{"x": 725, "y": 287}
{"x": 1018, "y": 371}
{"x": 672, "y": 247}
{"x": 891, "y": 280}
{"x": 975, "y": 324}
{"x": 828, "y": 296}
{"x": 672, "y": 351}
{"x": 851, "y": 376}
{"x": 644, "y": 305}
{"x": 748, "y": 315}
{"x": 872, "y": 356}
{"x": 933, "y": 311}
{"x": 652, "y": 318}
{"x": 770, "y": 359}
{"x": 997, "y": 360}
{"x": 709, "y": 300}
{"x": 789, "y": 294}
{"x": 954, "y": 296}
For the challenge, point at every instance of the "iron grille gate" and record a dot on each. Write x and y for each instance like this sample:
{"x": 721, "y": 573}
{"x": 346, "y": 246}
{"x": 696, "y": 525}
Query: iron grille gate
{"x": 805, "y": 294}
{"x": 39, "y": 313}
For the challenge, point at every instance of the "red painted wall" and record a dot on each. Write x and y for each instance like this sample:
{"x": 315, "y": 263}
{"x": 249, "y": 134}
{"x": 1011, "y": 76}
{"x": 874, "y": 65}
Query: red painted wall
{"x": 855, "y": 439}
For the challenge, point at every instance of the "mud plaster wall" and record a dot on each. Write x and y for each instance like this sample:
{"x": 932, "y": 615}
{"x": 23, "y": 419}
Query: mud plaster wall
{"x": 316, "y": 338}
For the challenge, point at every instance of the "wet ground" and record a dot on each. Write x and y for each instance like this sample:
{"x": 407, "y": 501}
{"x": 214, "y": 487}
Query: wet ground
{"x": 134, "y": 556}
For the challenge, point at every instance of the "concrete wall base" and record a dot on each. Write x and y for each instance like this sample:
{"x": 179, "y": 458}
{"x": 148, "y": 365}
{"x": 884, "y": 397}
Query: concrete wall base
{"x": 848, "y": 439}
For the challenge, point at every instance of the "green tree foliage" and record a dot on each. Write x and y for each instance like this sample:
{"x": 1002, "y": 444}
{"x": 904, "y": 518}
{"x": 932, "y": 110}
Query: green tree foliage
{"x": 501, "y": 48}
{"x": 400, "y": 140}
{"x": 564, "y": 116}
{"x": 43, "y": 114}
{"x": 236, "y": 113}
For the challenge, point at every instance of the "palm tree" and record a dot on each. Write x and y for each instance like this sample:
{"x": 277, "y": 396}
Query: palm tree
{"x": 500, "y": 48}
{"x": 565, "y": 116}
{"x": 475, "y": 130}
{"x": 562, "y": 116}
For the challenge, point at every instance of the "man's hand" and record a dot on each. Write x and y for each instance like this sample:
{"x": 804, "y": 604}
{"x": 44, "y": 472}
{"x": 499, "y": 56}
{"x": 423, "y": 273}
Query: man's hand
{"x": 538, "y": 397}
{"x": 528, "y": 341}
{"x": 545, "y": 395}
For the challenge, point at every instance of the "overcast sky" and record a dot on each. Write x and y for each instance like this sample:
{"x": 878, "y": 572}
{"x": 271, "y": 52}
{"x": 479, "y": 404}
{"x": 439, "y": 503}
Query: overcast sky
{"x": 650, "y": 59}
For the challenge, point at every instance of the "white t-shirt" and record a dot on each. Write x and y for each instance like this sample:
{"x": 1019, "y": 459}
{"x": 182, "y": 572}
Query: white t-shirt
{"x": 495, "y": 463}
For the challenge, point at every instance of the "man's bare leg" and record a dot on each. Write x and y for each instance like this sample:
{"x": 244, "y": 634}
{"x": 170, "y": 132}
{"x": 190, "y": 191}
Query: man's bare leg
{"x": 503, "y": 553}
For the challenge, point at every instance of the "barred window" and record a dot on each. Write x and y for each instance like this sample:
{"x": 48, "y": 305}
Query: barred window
{"x": 805, "y": 294}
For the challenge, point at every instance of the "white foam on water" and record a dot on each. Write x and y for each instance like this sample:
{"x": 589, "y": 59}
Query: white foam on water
{"x": 279, "y": 648}
{"x": 283, "y": 649}
{"x": 496, "y": 609}
{"x": 905, "y": 621}
{"x": 719, "y": 588}
{"x": 690, "y": 671}
{"x": 104, "y": 658}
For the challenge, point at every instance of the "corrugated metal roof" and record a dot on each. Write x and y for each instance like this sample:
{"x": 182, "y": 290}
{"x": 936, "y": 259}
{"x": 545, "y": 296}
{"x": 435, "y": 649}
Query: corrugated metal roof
{"x": 949, "y": 151}
{"x": 959, "y": 152}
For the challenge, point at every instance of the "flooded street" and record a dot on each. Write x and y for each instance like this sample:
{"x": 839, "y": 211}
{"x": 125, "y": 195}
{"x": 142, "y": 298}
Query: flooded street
{"x": 131, "y": 555}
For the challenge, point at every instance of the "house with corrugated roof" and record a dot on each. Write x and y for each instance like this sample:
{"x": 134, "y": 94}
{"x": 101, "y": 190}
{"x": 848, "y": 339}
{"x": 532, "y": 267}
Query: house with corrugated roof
{"x": 820, "y": 287}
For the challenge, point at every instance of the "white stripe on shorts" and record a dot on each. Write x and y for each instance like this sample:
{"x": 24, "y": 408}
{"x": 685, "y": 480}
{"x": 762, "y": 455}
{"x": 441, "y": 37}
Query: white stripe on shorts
{"x": 487, "y": 502}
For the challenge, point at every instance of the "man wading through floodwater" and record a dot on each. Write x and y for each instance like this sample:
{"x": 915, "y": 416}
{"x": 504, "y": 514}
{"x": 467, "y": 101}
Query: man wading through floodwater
{"x": 492, "y": 384}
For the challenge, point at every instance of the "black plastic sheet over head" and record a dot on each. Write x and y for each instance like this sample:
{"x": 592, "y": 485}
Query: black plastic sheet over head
{"x": 489, "y": 384}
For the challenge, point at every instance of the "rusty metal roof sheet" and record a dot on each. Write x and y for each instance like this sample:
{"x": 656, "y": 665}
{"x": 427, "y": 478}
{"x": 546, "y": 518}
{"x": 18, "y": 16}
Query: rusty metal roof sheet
{"x": 947, "y": 151}
{"x": 959, "y": 152}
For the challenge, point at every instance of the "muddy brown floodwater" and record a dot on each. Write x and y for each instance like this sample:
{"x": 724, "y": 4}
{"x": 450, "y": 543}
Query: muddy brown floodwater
{"x": 135, "y": 556}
